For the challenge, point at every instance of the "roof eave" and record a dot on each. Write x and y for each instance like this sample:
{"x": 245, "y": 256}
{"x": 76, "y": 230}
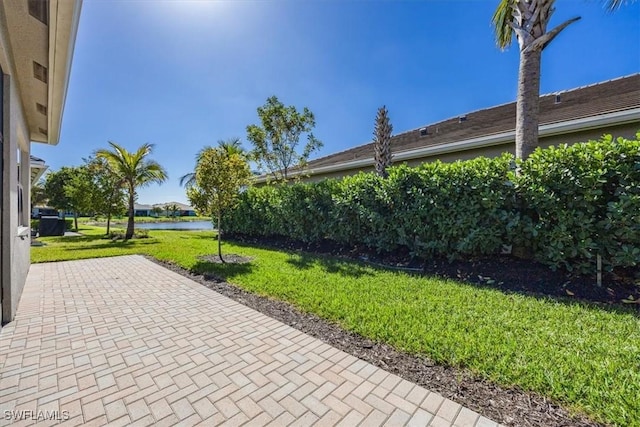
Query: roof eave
{"x": 63, "y": 27}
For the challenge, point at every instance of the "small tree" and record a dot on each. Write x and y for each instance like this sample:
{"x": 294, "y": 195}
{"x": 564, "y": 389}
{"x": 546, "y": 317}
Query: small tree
{"x": 54, "y": 188}
{"x": 38, "y": 195}
{"x": 156, "y": 211}
{"x": 219, "y": 177}
{"x": 382, "y": 142}
{"x": 80, "y": 191}
{"x": 276, "y": 141}
{"x": 172, "y": 210}
{"x": 109, "y": 197}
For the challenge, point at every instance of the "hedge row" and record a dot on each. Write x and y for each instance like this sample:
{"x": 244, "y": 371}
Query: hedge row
{"x": 565, "y": 205}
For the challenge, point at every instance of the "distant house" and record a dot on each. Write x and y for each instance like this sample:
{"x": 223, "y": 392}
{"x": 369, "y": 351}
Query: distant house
{"x": 142, "y": 210}
{"x": 183, "y": 210}
{"x": 570, "y": 116}
{"x": 38, "y": 168}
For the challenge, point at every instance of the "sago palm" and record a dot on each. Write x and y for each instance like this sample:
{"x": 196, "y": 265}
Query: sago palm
{"x": 136, "y": 170}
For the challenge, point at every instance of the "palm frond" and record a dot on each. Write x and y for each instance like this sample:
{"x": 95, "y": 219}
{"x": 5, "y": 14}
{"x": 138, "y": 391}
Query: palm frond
{"x": 502, "y": 21}
{"x": 613, "y": 5}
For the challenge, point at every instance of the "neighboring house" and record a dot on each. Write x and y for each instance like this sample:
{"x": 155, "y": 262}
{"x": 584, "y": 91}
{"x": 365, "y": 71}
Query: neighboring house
{"x": 142, "y": 210}
{"x": 183, "y": 210}
{"x": 569, "y": 116}
{"x": 36, "y": 48}
{"x": 38, "y": 168}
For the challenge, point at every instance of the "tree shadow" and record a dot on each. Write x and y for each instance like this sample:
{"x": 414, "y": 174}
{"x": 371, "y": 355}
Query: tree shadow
{"x": 218, "y": 271}
{"x": 331, "y": 265}
{"x": 109, "y": 244}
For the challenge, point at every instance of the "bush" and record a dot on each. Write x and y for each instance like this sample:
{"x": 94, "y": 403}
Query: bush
{"x": 580, "y": 200}
{"x": 566, "y": 205}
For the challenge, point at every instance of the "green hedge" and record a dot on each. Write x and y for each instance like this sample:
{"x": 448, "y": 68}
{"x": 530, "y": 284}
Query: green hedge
{"x": 566, "y": 204}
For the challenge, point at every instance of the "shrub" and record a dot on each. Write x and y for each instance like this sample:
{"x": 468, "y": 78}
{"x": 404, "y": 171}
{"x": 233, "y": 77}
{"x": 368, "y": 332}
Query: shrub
{"x": 566, "y": 205}
{"x": 580, "y": 200}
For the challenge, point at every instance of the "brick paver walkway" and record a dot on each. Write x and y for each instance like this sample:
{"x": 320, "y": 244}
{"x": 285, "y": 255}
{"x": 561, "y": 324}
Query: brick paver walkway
{"x": 124, "y": 341}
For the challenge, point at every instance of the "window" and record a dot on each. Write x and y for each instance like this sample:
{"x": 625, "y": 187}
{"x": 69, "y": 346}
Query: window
{"x": 39, "y": 9}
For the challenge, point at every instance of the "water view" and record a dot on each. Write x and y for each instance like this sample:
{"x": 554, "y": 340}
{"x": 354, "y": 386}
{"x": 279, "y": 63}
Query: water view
{"x": 178, "y": 225}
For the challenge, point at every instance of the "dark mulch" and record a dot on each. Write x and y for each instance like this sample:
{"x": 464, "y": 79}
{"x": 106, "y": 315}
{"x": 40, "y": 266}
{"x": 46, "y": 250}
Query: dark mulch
{"x": 504, "y": 272}
{"x": 509, "y": 406}
{"x": 228, "y": 258}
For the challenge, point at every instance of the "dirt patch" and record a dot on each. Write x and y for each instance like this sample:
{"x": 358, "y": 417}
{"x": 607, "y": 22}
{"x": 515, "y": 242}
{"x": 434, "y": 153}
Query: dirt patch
{"x": 228, "y": 258}
{"x": 508, "y": 406}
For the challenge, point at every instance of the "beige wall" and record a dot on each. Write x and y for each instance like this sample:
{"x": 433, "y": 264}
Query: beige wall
{"x": 15, "y": 234}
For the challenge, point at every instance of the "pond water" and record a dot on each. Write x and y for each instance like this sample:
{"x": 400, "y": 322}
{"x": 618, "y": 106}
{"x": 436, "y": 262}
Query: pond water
{"x": 178, "y": 225}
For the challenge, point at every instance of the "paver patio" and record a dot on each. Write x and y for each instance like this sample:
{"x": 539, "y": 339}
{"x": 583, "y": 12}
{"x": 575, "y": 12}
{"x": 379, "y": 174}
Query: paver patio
{"x": 125, "y": 341}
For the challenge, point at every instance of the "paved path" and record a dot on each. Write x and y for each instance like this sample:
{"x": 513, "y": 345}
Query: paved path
{"x": 125, "y": 341}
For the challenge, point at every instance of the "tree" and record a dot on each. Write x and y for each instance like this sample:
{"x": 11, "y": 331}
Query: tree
{"x": 38, "y": 194}
{"x": 135, "y": 170}
{"x": 276, "y": 141}
{"x": 54, "y": 188}
{"x": 156, "y": 211}
{"x": 172, "y": 210}
{"x": 219, "y": 178}
{"x": 382, "y": 142}
{"x": 109, "y": 197}
{"x": 528, "y": 19}
{"x": 80, "y": 191}
{"x": 231, "y": 146}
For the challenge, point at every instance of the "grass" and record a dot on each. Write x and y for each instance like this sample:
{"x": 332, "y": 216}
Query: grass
{"x": 122, "y": 221}
{"x": 586, "y": 356}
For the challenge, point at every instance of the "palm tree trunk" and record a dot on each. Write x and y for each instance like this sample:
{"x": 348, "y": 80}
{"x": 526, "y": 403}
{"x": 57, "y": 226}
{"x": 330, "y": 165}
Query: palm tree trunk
{"x": 220, "y": 239}
{"x": 528, "y": 104}
{"x": 129, "y": 233}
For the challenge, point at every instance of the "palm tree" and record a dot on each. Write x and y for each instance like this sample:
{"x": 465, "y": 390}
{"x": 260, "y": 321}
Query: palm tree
{"x": 382, "y": 142}
{"x": 135, "y": 170}
{"x": 528, "y": 19}
{"x": 230, "y": 146}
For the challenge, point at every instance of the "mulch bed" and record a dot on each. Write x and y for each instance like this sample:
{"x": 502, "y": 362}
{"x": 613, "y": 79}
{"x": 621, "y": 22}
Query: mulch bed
{"x": 508, "y": 406}
{"x": 228, "y": 258}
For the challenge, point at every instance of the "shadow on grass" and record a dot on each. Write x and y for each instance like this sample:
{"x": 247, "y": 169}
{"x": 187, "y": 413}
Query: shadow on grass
{"x": 108, "y": 244}
{"x": 224, "y": 272}
{"x": 330, "y": 265}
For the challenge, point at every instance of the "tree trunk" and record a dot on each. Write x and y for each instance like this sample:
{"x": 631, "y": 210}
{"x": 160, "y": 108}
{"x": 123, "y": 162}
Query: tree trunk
{"x": 528, "y": 102}
{"x": 75, "y": 219}
{"x": 108, "y": 221}
{"x": 129, "y": 233}
{"x": 220, "y": 239}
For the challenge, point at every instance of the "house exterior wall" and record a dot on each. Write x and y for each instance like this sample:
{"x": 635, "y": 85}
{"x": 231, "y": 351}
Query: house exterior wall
{"x": 16, "y": 240}
{"x": 628, "y": 130}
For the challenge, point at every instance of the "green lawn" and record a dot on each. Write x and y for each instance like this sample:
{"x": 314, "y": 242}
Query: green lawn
{"x": 122, "y": 220}
{"x": 584, "y": 355}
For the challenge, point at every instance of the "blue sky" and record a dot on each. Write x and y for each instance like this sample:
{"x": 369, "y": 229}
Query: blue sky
{"x": 185, "y": 74}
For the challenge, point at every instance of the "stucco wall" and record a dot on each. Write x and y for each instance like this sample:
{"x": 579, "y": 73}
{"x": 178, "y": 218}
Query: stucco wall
{"x": 16, "y": 240}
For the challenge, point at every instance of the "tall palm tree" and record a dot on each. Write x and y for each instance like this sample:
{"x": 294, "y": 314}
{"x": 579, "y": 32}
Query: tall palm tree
{"x": 230, "y": 146}
{"x": 528, "y": 19}
{"x": 135, "y": 169}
